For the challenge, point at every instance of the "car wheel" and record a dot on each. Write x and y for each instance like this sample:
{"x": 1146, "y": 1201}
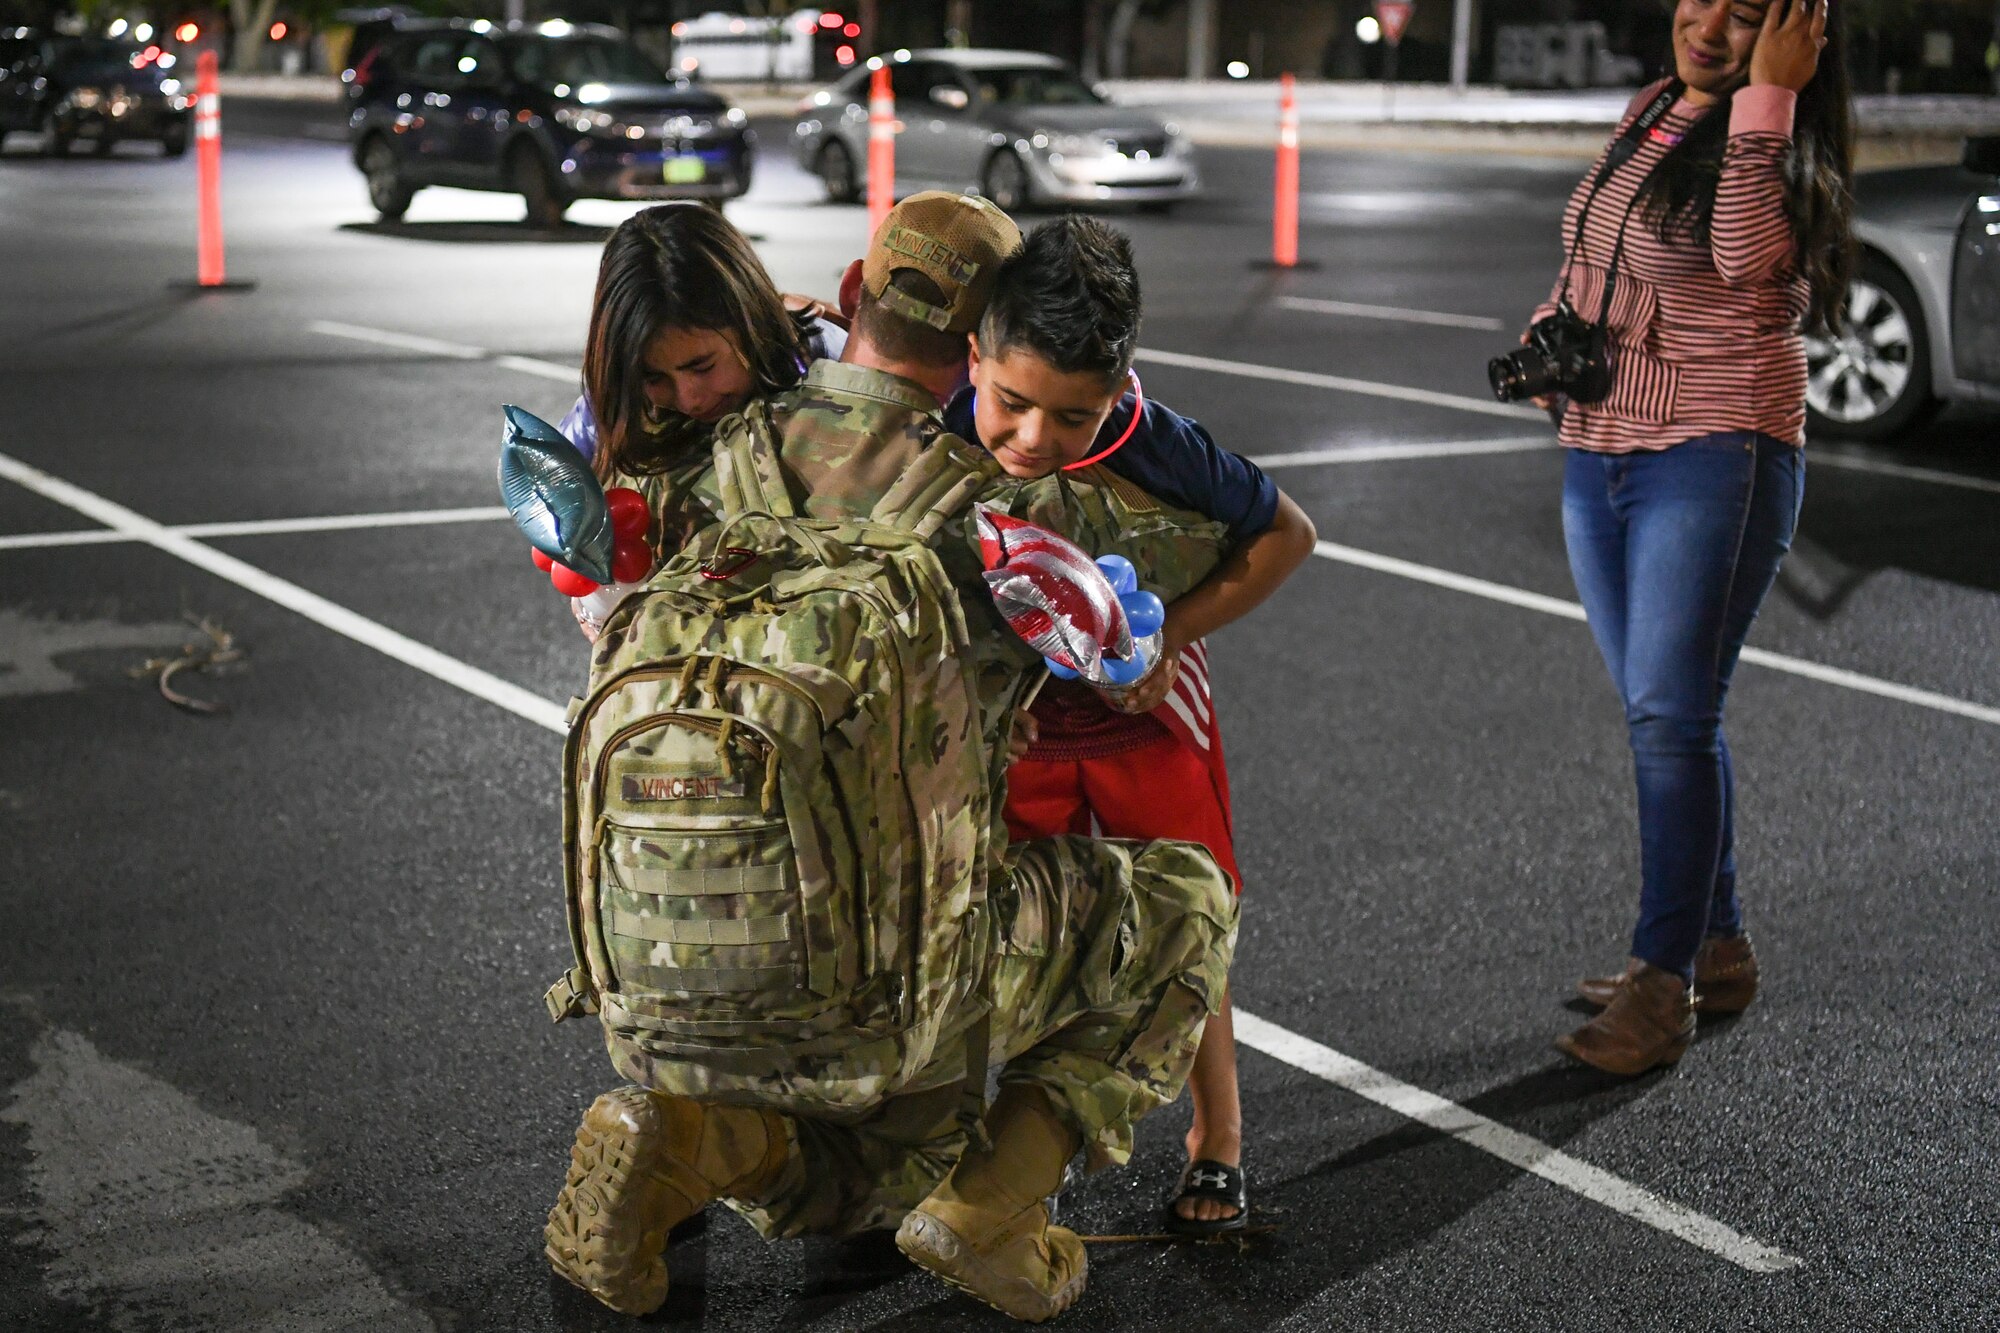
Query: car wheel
{"x": 105, "y": 143}
{"x": 1872, "y": 379}
{"x": 535, "y": 183}
{"x": 836, "y": 172}
{"x": 174, "y": 141}
{"x": 1005, "y": 181}
{"x": 55, "y": 138}
{"x": 387, "y": 190}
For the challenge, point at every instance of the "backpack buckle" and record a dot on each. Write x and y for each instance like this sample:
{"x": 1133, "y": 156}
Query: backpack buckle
{"x": 570, "y": 997}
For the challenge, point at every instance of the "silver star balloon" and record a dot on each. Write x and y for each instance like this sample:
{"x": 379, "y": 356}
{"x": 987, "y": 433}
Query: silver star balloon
{"x": 555, "y": 499}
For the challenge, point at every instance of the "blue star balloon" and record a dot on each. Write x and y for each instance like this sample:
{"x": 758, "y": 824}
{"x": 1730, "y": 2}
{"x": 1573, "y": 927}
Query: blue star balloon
{"x": 555, "y": 499}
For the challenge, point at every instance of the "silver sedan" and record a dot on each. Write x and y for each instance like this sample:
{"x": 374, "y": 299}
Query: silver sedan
{"x": 1922, "y": 319}
{"x": 1015, "y": 126}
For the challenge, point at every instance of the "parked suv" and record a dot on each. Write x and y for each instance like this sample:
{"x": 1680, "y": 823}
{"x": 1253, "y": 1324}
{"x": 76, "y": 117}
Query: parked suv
{"x": 553, "y": 112}
{"x": 94, "y": 88}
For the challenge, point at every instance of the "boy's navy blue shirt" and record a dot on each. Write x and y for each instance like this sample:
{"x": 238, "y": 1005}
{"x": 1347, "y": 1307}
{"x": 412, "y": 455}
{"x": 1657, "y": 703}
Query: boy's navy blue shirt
{"x": 1174, "y": 460}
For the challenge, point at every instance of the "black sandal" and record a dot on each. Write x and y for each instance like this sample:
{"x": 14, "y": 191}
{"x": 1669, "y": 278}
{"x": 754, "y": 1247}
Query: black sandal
{"x": 1206, "y": 1179}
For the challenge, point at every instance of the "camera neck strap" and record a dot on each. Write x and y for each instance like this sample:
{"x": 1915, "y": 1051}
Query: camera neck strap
{"x": 1621, "y": 151}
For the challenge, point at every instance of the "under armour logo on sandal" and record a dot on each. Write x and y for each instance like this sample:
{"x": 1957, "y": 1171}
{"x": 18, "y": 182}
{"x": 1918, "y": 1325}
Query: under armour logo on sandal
{"x": 1214, "y": 1180}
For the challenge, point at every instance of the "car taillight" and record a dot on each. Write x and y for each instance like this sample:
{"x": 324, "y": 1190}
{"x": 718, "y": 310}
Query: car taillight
{"x": 364, "y": 69}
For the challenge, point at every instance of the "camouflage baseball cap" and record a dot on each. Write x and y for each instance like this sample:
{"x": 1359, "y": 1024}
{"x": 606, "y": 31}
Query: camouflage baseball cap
{"x": 956, "y": 240}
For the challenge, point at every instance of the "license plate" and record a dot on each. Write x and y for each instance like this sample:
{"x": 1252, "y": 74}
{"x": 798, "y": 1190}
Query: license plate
{"x": 688, "y": 170}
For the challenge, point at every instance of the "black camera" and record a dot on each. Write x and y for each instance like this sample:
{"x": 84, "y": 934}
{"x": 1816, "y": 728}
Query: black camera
{"x": 1565, "y": 354}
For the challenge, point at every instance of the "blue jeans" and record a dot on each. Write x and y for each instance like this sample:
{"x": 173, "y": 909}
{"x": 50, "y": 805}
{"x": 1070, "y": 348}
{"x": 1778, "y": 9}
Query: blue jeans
{"x": 1672, "y": 553}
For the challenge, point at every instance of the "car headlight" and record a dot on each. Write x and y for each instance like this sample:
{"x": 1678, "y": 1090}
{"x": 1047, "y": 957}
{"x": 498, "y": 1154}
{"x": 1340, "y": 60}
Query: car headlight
{"x": 85, "y": 97}
{"x": 581, "y": 119}
{"x": 736, "y": 119}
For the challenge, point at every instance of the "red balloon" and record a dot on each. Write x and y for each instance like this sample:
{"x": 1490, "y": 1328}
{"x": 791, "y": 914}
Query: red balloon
{"x": 630, "y": 514}
{"x": 542, "y": 561}
{"x": 631, "y": 559}
{"x": 570, "y": 583}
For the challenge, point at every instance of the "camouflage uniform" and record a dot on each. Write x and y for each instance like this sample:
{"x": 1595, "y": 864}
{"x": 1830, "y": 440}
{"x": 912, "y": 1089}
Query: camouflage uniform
{"x": 1101, "y": 959}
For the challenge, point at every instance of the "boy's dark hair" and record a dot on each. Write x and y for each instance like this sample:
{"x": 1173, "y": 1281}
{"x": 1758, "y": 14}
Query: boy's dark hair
{"x": 1070, "y": 295}
{"x": 900, "y": 338}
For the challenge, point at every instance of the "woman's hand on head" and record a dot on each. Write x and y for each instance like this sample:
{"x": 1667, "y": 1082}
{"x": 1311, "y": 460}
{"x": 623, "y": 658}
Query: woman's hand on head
{"x": 1787, "y": 50}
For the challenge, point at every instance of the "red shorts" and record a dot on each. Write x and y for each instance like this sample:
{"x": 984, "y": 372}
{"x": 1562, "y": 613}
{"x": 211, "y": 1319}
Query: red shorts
{"x": 1161, "y": 790}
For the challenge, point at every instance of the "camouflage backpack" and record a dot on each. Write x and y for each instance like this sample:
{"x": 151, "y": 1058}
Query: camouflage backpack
{"x": 775, "y": 805}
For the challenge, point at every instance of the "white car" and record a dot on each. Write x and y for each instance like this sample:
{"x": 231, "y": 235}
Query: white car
{"x": 1018, "y": 127}
{"x": 1922, "y": 319}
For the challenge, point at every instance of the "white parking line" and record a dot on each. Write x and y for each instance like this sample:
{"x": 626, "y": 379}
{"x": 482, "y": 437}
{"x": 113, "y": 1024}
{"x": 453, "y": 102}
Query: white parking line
{"x": 1936, "y": 476}
{"x": 1359, "y": 311}
{"x": 1312, "y": 379}
{"x": 290, "y": 595}
{"x": 410, "y": 342}
{"x": 1556, "y": 606}
{"x": 1405, "y": 1099}
{"x": 1529, "y": 1154}
{"x": 406, "y": 342}
{"x": 24, "y": 541}
{"x": 407, "y": 518}
{"x": 1388, "y": 453}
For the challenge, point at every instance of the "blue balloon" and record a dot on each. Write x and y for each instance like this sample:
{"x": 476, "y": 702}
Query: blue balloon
{"x": 1058, "y": 670}
{"x": 1144, "y": 612}
{"x": 555, "y": 499}
{"x": 1120, "y": 572}
{"x": 1126, "y": 670}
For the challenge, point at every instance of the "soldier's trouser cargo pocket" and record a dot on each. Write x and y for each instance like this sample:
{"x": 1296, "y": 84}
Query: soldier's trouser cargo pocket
{"x": 1112, "y": 956}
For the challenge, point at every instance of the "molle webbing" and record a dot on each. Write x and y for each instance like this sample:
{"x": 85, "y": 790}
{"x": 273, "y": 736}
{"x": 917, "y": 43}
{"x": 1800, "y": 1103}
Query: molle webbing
{"x": 938, "y": 484}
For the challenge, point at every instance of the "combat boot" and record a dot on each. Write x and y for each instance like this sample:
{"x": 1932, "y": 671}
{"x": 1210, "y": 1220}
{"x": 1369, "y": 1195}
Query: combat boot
{"x": 644, "y": 1162}
{"x": 1725, "y": 977}
{"x": 986, "y": 1229}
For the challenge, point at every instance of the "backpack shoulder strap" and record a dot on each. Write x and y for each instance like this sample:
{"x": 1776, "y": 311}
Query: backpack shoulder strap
{"x": 748, "y": 475}
{"x": 940, "y": 482}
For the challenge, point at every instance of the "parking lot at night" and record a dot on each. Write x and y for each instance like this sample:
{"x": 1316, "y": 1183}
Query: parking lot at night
{"x": 275, "y": 1047}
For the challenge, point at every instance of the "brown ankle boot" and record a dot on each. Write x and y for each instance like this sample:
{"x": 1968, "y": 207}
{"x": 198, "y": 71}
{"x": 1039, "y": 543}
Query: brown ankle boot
{"x": 1649, "y": 1022}
{"x": 643, "y": 1162}
{"x": 986, "y": 1230}
{"x": 1725, "y": 977}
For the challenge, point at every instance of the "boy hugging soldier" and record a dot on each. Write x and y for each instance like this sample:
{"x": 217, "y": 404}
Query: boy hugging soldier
{"x": 808, "y": 967}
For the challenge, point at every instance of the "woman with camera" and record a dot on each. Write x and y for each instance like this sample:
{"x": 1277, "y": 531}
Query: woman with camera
{"x": 1711, "y": 234}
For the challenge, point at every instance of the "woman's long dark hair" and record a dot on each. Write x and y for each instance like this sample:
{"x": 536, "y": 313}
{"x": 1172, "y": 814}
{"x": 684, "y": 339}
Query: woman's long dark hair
{"x": 676, "y": 266}
{"x": 1819, "y": 179}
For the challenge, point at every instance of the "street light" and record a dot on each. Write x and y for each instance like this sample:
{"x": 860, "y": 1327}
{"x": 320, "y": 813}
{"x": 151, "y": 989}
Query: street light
{"x": 1368, "y": 30}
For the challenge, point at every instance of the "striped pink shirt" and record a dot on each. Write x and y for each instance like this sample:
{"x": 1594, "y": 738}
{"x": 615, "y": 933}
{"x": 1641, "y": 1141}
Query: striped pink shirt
{"x": 1703, "y": 339}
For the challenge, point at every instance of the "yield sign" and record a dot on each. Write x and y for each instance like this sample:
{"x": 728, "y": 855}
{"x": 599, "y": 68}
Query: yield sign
{"x": 1394, "y": 16}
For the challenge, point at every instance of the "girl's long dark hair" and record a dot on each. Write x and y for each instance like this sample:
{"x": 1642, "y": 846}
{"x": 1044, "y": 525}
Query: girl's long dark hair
{"x": 1819, "y": 179}
{"x": 676, "y": 266}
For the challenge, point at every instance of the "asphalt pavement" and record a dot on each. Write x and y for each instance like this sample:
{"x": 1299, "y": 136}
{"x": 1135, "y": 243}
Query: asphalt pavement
{"x": 274, "y": 1054}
